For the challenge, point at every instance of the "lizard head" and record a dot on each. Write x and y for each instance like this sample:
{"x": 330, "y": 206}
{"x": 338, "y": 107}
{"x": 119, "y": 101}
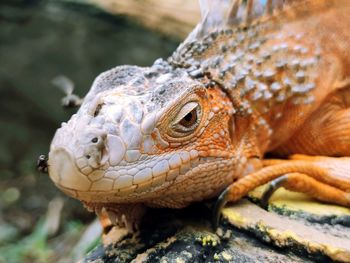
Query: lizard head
{"x": 145, "y": 132}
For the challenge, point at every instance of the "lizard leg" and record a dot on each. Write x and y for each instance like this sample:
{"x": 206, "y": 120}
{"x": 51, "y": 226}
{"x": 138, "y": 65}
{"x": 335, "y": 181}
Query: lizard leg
{"x": 326, "y": 132}
{"x": 324, "y": 170}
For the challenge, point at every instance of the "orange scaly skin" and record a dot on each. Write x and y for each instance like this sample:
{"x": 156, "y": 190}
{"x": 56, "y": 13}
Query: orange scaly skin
{"x": 319, "y": 126}
{"x": 235, "y": 90}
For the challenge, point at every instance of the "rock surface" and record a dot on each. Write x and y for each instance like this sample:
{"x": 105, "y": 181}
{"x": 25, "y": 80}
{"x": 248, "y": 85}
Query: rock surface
{"x": 294, "y": 229}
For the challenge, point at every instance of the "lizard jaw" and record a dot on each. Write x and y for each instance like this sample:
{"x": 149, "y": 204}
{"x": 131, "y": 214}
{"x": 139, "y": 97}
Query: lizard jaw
{"x": 64, "y": 173}
{"x": 111, "y": 188}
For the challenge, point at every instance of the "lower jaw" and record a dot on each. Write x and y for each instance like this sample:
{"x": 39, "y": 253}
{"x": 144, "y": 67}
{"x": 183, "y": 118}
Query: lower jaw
{"x": 113, "y": 199}
{"x": 123, "y": 215}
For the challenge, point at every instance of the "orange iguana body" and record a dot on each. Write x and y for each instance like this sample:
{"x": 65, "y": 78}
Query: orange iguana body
{"x": 303, "y": 101}
{"x": 257, "y": 83}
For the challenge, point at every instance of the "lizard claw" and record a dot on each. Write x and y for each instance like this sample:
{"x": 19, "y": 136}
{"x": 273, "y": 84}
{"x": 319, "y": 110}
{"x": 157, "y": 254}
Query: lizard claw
{"x": 219, "y": 204}
{"x": 272, "y": 187}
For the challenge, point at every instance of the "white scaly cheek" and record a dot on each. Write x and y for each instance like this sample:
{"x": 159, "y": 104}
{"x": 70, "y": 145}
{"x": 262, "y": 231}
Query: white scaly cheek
{"x": 143, "y": 176}
{"x": 152, "y": 172}
{"x": 116, "y": 149}
{"x": 148, "y": 144}
{"x": 160, "y": 168}
{"x": 115, "y": 113}
{"x": 148, "y": 123}
{"x": 175, "y": 161}
{"x": 135, "y": 111}
{"x": 131, "y": 134}
{"x": 104, "y": 184}
{"x": 132, "y": 155}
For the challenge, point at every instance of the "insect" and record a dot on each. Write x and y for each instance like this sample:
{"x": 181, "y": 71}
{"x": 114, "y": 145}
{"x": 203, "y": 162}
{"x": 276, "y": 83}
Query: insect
{"x": 42, "y": 164}
{"x": 67, "y": 87}
{"x": 248, "y": 82}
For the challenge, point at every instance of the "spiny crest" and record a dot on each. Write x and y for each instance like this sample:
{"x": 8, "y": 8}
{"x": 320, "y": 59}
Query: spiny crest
{"x": 238, "y": 11}
{"x": 248, "y": 54}
{"x": 218, "y": 13}
{"x": 222, "y": 13}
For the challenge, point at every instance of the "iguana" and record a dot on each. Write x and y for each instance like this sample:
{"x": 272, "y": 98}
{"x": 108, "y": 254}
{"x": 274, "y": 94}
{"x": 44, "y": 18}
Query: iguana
{"x": 250, "y": 82}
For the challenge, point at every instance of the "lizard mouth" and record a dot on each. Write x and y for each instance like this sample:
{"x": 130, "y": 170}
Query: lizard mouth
{"x": 64, "y": 173}
{"x": 133, "y": 183}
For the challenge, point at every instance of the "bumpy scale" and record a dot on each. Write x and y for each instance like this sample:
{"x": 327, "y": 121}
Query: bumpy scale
{"x": 249, "y": 80}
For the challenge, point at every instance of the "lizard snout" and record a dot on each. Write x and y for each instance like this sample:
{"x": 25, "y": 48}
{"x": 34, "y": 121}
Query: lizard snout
{"x": 75, "y": 164}
{"x": 64, "y": 172}
{"x": 94, "y": 151}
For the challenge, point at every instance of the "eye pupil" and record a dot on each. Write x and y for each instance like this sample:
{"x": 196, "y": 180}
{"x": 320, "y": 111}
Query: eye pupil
{"x": 189, "y": 119}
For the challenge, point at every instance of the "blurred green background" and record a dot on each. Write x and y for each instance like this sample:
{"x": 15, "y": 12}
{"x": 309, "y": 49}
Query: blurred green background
{"x": 40, "y": 40}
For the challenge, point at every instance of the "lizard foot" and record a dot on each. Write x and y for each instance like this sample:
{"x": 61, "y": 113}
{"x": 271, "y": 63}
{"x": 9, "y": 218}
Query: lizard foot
{"x": 324, "y": 178}
{"x": 299, "y": 182}
{"x": 118, "y": 220}
{"x": 219, "y": 205}
{"x": 272, "y": 187}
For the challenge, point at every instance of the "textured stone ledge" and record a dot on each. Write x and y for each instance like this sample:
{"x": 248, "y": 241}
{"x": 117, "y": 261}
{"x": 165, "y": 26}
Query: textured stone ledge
{"x": 295, "y": 229}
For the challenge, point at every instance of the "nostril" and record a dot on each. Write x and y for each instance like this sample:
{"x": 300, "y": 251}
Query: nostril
{"x": 98, "y": 109}
{"x": 94, "y": 140}
{"x": 88, "y": 157}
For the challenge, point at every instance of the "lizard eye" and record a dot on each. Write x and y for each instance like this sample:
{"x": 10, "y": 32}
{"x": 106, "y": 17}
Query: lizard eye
{"x": 188, "y": 118}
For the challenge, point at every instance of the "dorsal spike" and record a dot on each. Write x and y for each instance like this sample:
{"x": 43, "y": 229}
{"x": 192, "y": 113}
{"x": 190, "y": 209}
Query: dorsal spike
{"x": 232, "y": 14}
{"x": 204, "y": 6}
{"x": 249, "y": 11}
{"x": 269, "y": 7}
{"x": 279, "y": 4}
{"x": 213, "y": 13}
